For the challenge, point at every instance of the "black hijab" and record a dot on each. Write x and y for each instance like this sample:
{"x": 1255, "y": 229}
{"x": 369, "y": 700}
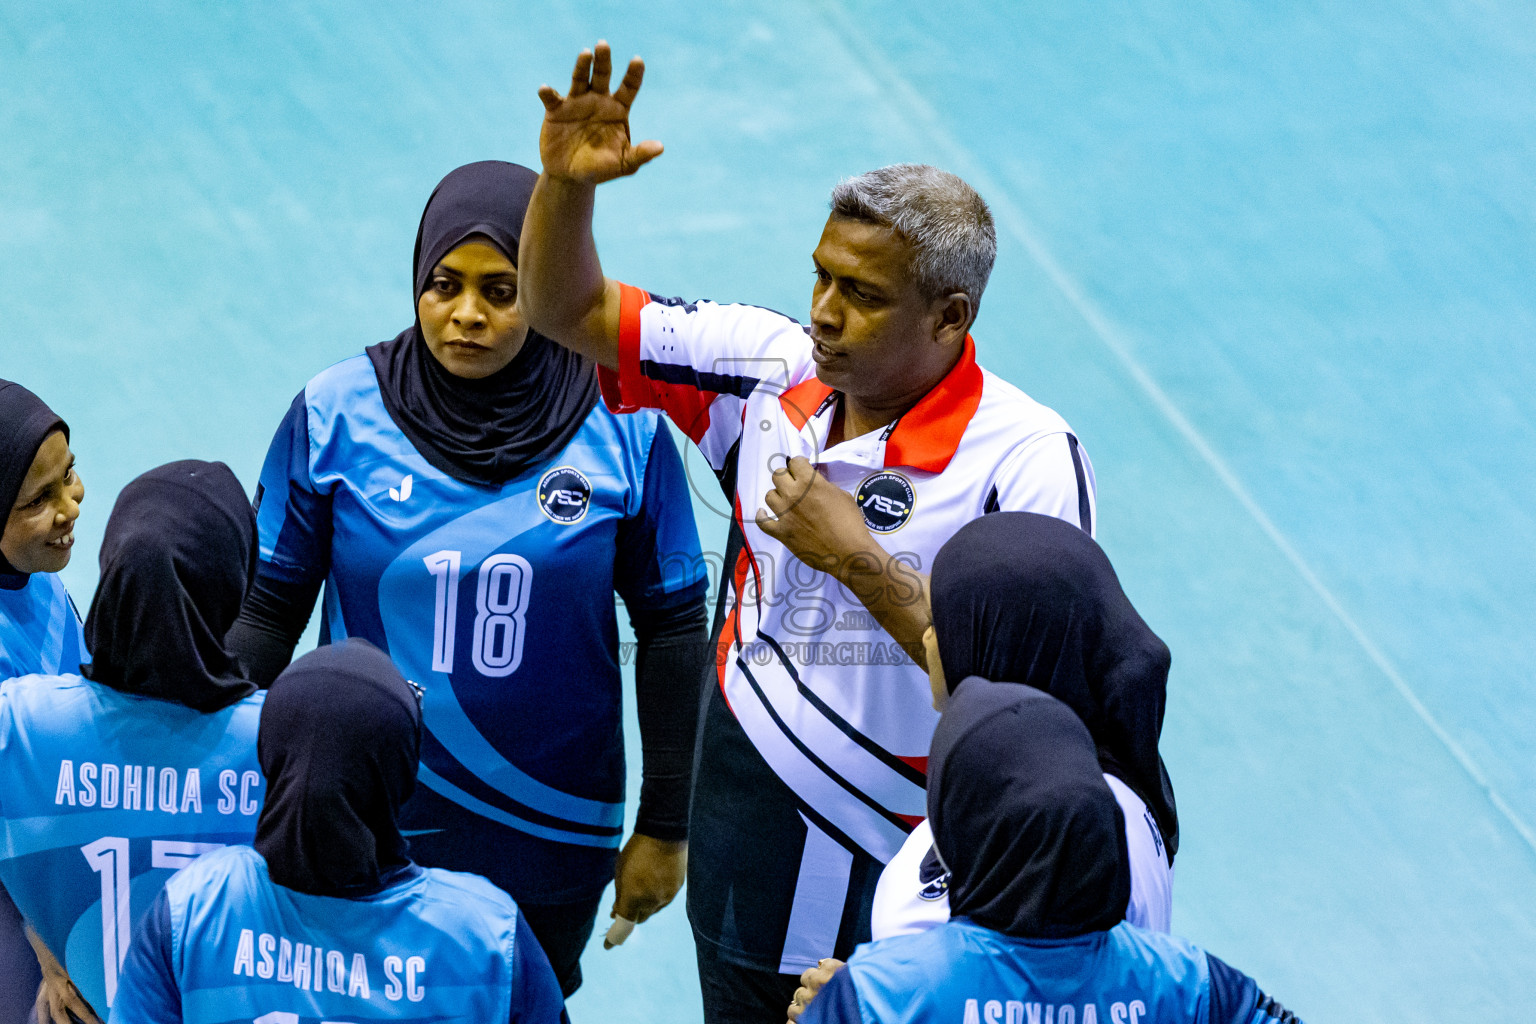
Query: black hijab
{"x": 483, "y": 431}
{"x": 25, "y": 423}
{"x": 177, "y": 557}
{"x": 1022, "y": 817}
{"x": 339, "y": 743}
{"x": 1025, "y": 598}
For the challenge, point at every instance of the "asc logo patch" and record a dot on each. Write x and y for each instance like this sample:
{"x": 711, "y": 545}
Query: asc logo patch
{"x": 564, "y": 494}
{"x": 886, "y": 499}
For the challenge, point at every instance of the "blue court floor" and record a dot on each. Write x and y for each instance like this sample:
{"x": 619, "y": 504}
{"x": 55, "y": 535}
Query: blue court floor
{"x": 1274, "y": 262}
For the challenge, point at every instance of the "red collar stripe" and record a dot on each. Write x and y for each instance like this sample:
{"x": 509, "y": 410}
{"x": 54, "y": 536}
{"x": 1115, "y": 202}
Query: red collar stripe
{"x": 927, "y": 437}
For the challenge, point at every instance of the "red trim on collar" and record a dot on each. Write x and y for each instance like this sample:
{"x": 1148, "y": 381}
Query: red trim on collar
{"x": 928, "y": 435}
{"x": 802, "y": 401}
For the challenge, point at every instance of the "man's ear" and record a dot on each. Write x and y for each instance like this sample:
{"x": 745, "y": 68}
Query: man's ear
{"x": 956, "y": 313}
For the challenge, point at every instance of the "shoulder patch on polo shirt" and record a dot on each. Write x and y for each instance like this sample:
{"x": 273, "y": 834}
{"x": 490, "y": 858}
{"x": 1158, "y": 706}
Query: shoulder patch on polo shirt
{"x": 886, "y": 499}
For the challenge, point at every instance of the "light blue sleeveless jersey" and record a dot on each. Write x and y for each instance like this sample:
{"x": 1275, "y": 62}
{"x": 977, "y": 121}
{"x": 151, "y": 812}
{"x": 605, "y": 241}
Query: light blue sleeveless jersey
{"x": 497, "y": 601}
{"x": 40, "y": 629}
{"x": 104, "y": 795}
{"x": 962, "y": 973}
{"x": 438, "y": 946}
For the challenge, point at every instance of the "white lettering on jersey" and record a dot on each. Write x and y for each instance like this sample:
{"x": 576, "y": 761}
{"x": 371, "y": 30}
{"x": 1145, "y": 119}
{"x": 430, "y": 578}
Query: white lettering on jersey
{"x": 316, "y": 969}
{"x": 245, "y": 954}
{"x": 413, "y": 967}
{"x": 248, "y": 804}
{"x": 1014, "y": 1011}
{"x": 357, "y": 985}
{"x": 265, "y": 945}
{"x": 65, "y": 793}
{"x": 168, "y": 790}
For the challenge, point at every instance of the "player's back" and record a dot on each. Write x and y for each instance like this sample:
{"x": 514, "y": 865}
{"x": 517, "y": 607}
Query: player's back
{"x": 434, "y": 945}
{"x": 103, "y": 795}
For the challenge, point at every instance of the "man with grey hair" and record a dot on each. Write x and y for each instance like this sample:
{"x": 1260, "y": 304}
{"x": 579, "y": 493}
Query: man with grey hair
{"x": 851, "y": 450}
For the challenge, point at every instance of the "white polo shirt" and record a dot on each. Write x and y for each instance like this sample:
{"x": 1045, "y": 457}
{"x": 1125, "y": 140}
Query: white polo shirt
{"x": 832, "y": 703}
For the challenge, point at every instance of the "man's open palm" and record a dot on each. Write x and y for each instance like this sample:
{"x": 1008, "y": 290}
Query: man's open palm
{"x": 586, "y": 133}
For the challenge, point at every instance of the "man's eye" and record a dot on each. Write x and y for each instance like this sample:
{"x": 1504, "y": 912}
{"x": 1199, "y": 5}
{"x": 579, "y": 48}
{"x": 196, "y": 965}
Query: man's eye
{"x": 822, "y": 277}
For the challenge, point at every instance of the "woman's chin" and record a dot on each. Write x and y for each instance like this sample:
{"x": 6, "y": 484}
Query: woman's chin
{"x": 44, "y": 558}
{"x": 471, "y": 364}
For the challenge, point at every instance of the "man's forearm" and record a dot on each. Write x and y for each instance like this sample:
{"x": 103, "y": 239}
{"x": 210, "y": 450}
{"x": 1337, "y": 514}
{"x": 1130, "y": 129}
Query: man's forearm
{"x": 561, "y": 289}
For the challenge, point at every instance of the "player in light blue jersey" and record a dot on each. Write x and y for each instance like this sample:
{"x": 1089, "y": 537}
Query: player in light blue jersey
{"x": 471, "y": 508}
{"x": 327, "y": 918}
{"x": 108, "y": 784}
{"x": 1035, "y": 844}
{"x": 40, "y": 494}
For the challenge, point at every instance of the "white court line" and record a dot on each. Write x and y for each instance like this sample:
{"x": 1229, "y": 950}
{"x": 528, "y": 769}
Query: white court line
{"x": 1013, "y": 220}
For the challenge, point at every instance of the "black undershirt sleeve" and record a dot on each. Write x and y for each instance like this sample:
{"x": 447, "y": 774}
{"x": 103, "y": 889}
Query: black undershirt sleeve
{"x": 269, "y": 626}
{"x": 671, "y": 657}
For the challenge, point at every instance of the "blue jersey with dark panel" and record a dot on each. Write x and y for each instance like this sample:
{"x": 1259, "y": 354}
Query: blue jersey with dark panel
{"x": 962, "y": 973}
{"x": 40, "y": 629}
{"x": 498, "y": 602}
{"x": 225, "y": 945}
{"x": 103, "y": 795}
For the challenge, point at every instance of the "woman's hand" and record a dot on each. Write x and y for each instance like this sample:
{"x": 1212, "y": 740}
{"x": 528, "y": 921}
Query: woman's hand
{"x": 58, "y": 1000}
{"x": 811, "y": 980}
{"x": 585, "y": 137}
{"x": 647, "y": 877}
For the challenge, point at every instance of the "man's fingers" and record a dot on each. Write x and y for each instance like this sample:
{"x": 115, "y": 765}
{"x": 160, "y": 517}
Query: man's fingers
{"x": 550, "y": 98}
{"x": 637, "y": 157}
{"x": 581, "y": 75}
{"x": 633, "y": 76}
{"x": 602, "y": 67}
{"x": 768, "y": 524}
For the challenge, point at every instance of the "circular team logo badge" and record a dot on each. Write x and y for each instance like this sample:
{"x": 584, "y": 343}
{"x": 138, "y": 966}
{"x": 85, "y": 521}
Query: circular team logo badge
{"x": 934, "y": 890}
{"x": 886, "y": 499}
{"x": 564, "y": 494}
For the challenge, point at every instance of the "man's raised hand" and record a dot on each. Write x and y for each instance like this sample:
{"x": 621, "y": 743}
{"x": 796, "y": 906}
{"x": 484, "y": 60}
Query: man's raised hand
{"x": 585, "y": 137}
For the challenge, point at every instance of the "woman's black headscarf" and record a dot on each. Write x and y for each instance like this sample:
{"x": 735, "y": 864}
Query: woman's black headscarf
{"x": 1025, "y": 598}
{"x": 339, "y": 743}
{"x": 1030, "y": 832}
{"x": 25, "y": 423}
{"x": 483, "y": 431}
{"x": 178, "y": 555}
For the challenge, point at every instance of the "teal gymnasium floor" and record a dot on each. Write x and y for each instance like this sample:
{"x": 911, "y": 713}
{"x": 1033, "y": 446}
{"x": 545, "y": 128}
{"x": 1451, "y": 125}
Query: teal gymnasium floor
{"x": 1274, "y": 262}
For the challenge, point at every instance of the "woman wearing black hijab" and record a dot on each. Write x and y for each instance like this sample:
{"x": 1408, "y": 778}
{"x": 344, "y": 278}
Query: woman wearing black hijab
{"x": 40, "y": 493}
{"x": 40, "y": 631}
{"x": 1024, "y": 598}
{"x": 377, "y": 936}
{"x": 1034, "y": 842}
{"x": 162, "y": 721}
{"x": 471, "y": 508}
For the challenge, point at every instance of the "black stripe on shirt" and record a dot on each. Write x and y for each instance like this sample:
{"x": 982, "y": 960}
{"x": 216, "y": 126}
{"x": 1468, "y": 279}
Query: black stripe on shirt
{"x": 1084, "y": 511}
{"x": 810, "y": 755}
{"x": 892, "y": 762}
{"x": 738, "y": 385}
